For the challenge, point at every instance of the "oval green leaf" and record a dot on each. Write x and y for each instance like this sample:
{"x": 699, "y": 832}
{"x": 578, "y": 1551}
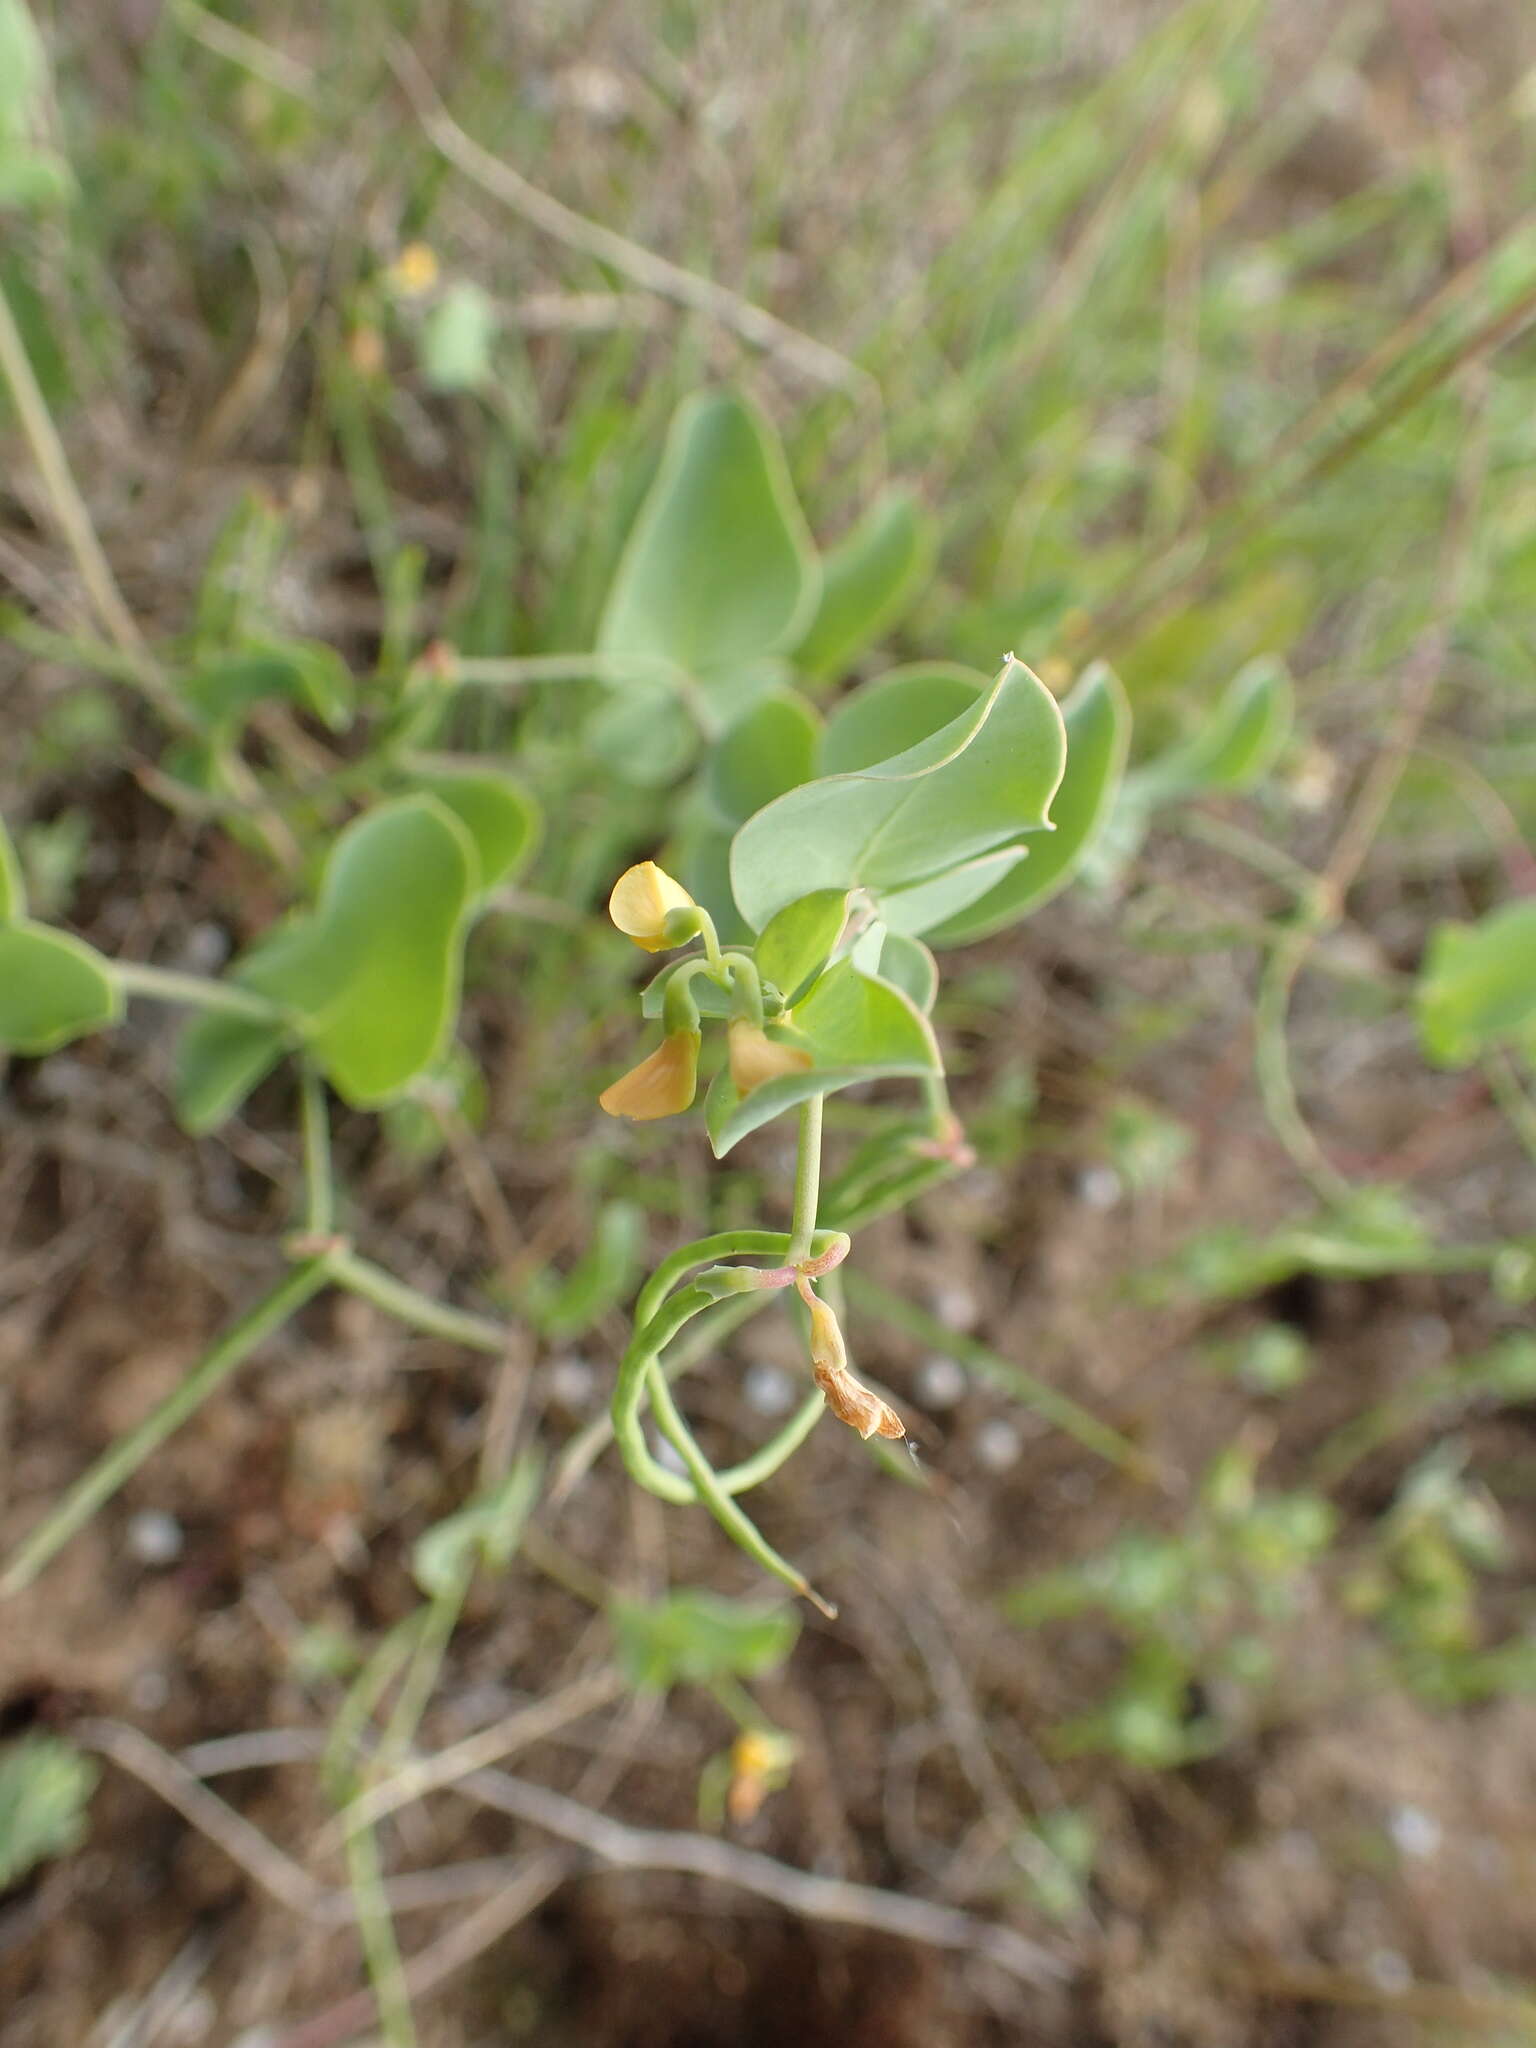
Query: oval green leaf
{"x": 1477, "y": 987}
{"x": 719, "y": 568}
{"x": 797, "y": 942}
{"x": 968, "y": 788}
{"x": 1236, "y": 746}
{"x": 896, "y": 710}
{"x": 866, "y": 582}
{"x": 642, "y": 738}
{"x": 768, "y": 751}
{"x": 219, "y": 1060}
{"x": 499, "y": 815}
{"x": 53, "y": 988}
{"x": 304, "y": 672}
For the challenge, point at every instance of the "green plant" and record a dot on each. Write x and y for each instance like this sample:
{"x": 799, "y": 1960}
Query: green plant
{"x": 45, "y": 1786}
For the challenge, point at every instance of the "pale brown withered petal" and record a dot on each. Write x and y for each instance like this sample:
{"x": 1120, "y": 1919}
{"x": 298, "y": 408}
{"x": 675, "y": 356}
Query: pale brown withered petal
{"x": 852, "y": 1402}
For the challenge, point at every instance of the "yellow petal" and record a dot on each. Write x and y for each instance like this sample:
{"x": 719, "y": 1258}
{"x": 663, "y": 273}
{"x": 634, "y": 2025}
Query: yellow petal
{"x": 756, "y": 1058}
{"x": 661, "y": 1085}
{"x": 641, "y": 900}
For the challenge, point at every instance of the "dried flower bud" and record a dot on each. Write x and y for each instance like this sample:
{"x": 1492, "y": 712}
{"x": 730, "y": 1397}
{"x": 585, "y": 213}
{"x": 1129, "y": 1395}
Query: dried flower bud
{"x": 756, "y": 1058}
{"x": 643, "y": 898}
{"x": 848, "y": 1398}
{"x": 661, "y": 1085}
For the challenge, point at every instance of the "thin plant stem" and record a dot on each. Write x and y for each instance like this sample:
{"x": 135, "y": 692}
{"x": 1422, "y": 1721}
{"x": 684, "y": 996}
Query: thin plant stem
{"x": 319, "y": 1183}
{"x": 376, "y": 1931}
{"x": 119, "y": 1463}
{"x": 807, "y": 1180}
{"x": 361, "y": 1277}
{"x": 165, "y": 985}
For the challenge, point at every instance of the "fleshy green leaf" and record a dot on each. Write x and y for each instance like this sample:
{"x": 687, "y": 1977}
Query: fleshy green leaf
{"x": 894, "y": 711}
{"x": 856, "y": 1028}
{"x": 642, "y": 737}
{"x": 965, "y": 790}
{"x": 797, "y": 941}
{"x": 866, "y": 581}
{"x": 766, "y": 752}
{"x": 690, "y": 1637}
{"x": 45, "y": 1786}
{"x": 219, "y": 1060}
{"x": 907, "y": 963}
{"x": 931, "y": 903}
{"x": 372, "y": 974}
{"x": 1098, "y": 722}
{"x": 719, "y": 568}
{"x": 13, "y": 891}
{"x": 53, "y": 988}
{"x": 303, "y": 672}
{"x": 496, "y": 811}
{"x": 1477, "y": 987}
{"x": 1236, "y": 745}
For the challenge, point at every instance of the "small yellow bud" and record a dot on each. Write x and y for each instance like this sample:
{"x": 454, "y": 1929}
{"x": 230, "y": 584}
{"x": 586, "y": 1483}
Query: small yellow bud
{"x": 756, "y": 1058}
{"x": 661, "y": 1085}
{"x": 414, "y": 271}
{"x": 642, "y": 899}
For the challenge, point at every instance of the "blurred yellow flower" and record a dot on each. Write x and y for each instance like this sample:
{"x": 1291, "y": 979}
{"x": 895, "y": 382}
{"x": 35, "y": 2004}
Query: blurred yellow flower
{"x": 642, "y": 899}
{"x": 661, "y": 1085}
{"x": 756, "y": 1058}
{"x": 414, "y": 271}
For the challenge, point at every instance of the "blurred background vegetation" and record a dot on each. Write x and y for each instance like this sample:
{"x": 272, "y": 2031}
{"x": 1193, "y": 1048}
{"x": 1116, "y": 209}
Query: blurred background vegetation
{"x": 1205, "y": 332}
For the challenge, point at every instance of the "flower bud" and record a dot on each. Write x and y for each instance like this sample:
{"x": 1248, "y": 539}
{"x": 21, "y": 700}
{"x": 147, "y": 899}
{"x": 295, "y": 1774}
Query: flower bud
{"x": 643, "y": 898}
{"x": 848, "y": 1398}
{"x": 756, "y": 1058}
{"x": 661, "y": 1085}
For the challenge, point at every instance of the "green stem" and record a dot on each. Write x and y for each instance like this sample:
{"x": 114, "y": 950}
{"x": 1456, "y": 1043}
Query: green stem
{"x": 360, "y": 1276}
{"x": 807, "y": 1181}
{"x": 119, "y": 1463}
{"x": 167, "y": 986}
{"x": 319, "y": 1185}
{"x": 376, "y": 1931}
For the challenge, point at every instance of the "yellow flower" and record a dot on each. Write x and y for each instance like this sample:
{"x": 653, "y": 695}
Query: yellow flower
{"x": 756, "y": 1058}
{"x": 661, "y": 1085}
{"x": 643, "y": 898}
{"x": 414, "y": 271}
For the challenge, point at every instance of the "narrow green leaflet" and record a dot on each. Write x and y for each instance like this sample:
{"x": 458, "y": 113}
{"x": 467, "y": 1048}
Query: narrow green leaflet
{"x": 967, "y": 789}
{"x": 797, "y": 942}
{"x": 53, "y": 988}
{"x": 1237, "y": 745}
{"x": 372, "y": 974}
{"x": 768, "y": 751}
{"x": 496, "y": 811}
{"x": 896, "y": 710}
{"x": 13, "y": 892}
{"x": 867, "y": 580}
{"x": 219, "y": 1060}
{"x": 719, "y": 568}
{"x": 855, "y": 1027}
{"x": 692, "y": 1637}
{"x": 302, "y": 672}
{"x": 1477, "y": 987}
{"x": 1098, "y": 722}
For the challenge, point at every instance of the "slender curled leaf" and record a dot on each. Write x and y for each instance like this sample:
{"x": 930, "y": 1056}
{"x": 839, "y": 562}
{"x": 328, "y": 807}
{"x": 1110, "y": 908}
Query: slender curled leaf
{"x": 45, "y": 1786}
{"x": 1236, "y": 746}
{"x": 53, "y": 988}
{"x": 371, "y": 975}
{"x": 798, "y": 941}
{"x": 1098, "y": 721}
{"x": 693, "y": 1637}
{"x": 965, "y": 790}
{"x": 304, "y": 672}
{"x": 1477, "y": 987}
{"x": 770, "y": 749}
{"x": 501, "y": 818}
{"x": 719, "y": 569}
{"x": 13, "y": 891}
{"x": 866, "y": 582}
{"x": 219, "y": 1060}
{"x": 856, "y": 1028}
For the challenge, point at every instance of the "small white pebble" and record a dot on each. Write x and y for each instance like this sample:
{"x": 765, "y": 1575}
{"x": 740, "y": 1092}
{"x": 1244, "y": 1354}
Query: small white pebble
{"x": 1389, "y": 1972}
{"x": 1099, "y": 1187}
{"x": 997, "y": 1445}
{"x": 155, "y": 1538}
{"x": 768, "y": 1389}
{"x": 956, "y": 1307}
{"x": 940, "y": 1382}
{"x": 572, "y": 1380}
{"x": 205, "y": 950}
{"x": 1414, "y": 1832}
{"x": 149, "y": 1690}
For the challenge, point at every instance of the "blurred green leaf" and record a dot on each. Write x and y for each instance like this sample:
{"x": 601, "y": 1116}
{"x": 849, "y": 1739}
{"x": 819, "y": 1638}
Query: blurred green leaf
{"x": 907, "y": 964}
{"x": 372, "y": 974}
{"x": 691, "y": 1637}
{"x": 895, "y": 711}
{"x": 978, "y": 780}
{"x": 1233, "y": 748}
{"x": 719, "y": 569}
{"x": 303, "y": 672}
{"x": 769, "y": 750}
{"x": 499, "y": 815}
{"x": 53, "y": 988}
{"x": 643, "y": 738}
{"x": 219, "y": 1060}
{"x": 458, "y": 338}
{"x": 867, "y": 579}
{"x": 13, "y": 894}
{"x": 797, "y": 941}
{"x": 1477, "y": 986}
{"x": 45, "y": 1787}
{"x": 562, "y": 1306}
{"x": 485, "y": 1532}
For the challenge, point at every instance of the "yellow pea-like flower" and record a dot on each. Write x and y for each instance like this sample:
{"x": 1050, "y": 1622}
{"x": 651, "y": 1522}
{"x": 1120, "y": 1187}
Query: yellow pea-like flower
{"x": 756, "y": 1058}
{"x": 414, "y": 271}
{"x": 643, "y": 898}
{"x": 661, "y": 1085}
